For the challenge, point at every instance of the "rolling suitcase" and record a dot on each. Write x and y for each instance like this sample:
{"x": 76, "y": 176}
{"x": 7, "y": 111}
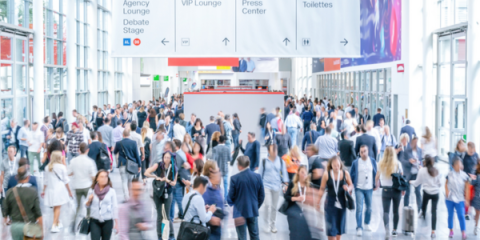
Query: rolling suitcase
{"x": 409, "y": 214}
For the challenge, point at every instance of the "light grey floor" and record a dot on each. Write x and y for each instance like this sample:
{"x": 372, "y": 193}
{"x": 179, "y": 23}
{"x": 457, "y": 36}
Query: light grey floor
{"x": 422, "y": 232}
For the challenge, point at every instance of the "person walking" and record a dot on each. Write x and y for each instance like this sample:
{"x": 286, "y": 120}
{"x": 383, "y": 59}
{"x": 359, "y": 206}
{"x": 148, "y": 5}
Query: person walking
{"x": 310, "y": 136}
{"x": 476, "y": 197}
{"x": 197, "y": 172}
{"x": 283, "y": 141}
{"x": 134, "y": 217}
{"x": 102, "y": 201}
{"x": 363, "y": 172}
{"x": 377, "y": 117}
{"x": 388, "y": 165}
{"x": 268, "y": 134}
{"x": 347, "y": 150}
{"x": 246, "y": 194}
{"x": 117, "y": 133}
{"x": 430, "y": 180}
{"x": 296, "y": 198}
{"x": 35, "y": 143}
{"x": 95, "y": 150}
{"x": 293, "y": 160}
{"x": 74, "y": 138}
{"x": 221, "y": 155}
{"x": 23, "y": 139}
{"x": 275, "y": 179}
{"x": 82, "y": 170}
{"x": 22, "y": 203}
{"x": 429, "y": 144}
{"x": 127, "y": 149}
{"x": 365, "y": 139}
{"x": 388, "y": 140}
{"x": 411, "y": 163}
{"x": 141, "y": 116}
{"x": 293, "y": 123}
{"x": 252, "y": 151}
{"x": 152, "y": 119}
{"x": 166, "y": 174}
{"x": 107, "y": 134}
{"x": 327, "y": 145}
{"x": 194, "y": 203}
{"x": 213, "y": 197}
{"x": 183, "y": 173}
{"x": 457, "y": 196}
{"x": 408, "y": 129}
{"x": 179, "y": 131}
{"x": 237, "y": 129}
{"x": 337, "y": 182}
{"x": 56, "y": 190}
{"x": 228, "y": 128}
{"x": 8, "y": 167}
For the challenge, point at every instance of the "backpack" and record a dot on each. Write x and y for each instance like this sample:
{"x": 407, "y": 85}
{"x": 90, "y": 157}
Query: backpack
{"x": 103, "y": 158}
{"x": 281, "y": 167}
{"x": 65, "y": 125}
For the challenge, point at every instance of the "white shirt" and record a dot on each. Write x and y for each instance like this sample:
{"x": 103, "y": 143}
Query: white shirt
{"x": 348, "y": 125}
{"x": 386, "y": 181}
{"x": 35, "y": 138}
{"x": 378, "y": 141}
{"x": 293, "y": 121}
{"x": 179, "y": 132}
{"x": 429, "y": 148}
{"x": 365, "y": 178}
{"x": 86, "y": 135}
{"x": 137, "y": 138}
{"x": 84, "y": 170}
{"x": 430, "y": 185}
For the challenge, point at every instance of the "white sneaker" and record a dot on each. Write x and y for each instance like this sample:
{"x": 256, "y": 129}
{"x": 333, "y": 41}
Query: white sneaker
{"x": 359, "y": 232}
{"x": 475, "y": 231}
{"x": 367, "y": 228}
{"x": 55, "y": 229}
{"x": 60, "y": 225}
{"x": 273, "y": 229}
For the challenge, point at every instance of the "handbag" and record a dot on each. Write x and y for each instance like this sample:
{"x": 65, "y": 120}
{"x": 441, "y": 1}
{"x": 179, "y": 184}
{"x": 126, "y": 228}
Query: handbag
{"x": 399, "y": 181}
{"x": 210, "y": 152}
{"x": 158, "y": 188}
{"x": 165, "y": 224}
{"x": 349, "y": 202}
{"x": 30, "y": 230}
{"x": 132, "y": 166}
{"x": 283, "y": 208}
{"x": 191, "y": 230}
{"x": 84, "y": 226}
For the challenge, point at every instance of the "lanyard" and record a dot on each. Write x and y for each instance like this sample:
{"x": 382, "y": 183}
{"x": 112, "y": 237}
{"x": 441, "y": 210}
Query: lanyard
{"x": 301, "y": 192}
{"x": 11, "y": 165}
{"x": 335, "y": 183}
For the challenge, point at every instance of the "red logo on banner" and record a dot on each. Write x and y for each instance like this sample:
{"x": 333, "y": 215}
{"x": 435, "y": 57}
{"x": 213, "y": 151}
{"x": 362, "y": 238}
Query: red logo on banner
{"x": 137, "y": 42}
{"x": 400, "y": 67}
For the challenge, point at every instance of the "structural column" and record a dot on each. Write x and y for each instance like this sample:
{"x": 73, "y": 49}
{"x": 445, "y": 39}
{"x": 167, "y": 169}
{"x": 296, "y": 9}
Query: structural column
{"x": 473, "y": 72}
{"x": 71, "y": 60}
{"x": 38, "y": 77}
{"x": 92, "y": 59}
{"x": 428, "y": 103}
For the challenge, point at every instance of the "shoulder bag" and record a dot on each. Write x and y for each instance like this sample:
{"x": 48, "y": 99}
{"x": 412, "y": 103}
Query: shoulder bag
{"x": 400, "y": 182}
{"x": 349, "y": 202}
{"x": 30, "y": 230}
{"x": 191, "y": 230}
{"x": 131, "y": 166}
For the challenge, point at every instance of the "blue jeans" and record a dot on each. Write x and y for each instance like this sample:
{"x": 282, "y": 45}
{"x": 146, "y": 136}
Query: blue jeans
{"x": 228, "y": 143}
{"x": 460, "y": 209}
{"x": 235, "y": 140}
{"x": 177, "y": 198}
{"x": 262, "y": 133}
{"x": 360, "y": 196}
{"x": 225, "y": 187}
{"x": 252, "y": 225}
{"x": 23, "y": 151}
{"x": 293, "y": 135}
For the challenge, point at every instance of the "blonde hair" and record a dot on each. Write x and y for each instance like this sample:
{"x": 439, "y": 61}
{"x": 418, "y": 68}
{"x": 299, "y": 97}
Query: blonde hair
{"x": 403, "y": 136}
{"x": 216, "y": 136}
{"x": 55, "y": 158}
{"x": 295, "y": 151}
{"x": 428, "y": 135}
{"x": 144, "y": 132}
{"x": 208, "y": 167}
{"x": 389, "y": 162}
{"x": 296, "y": 179}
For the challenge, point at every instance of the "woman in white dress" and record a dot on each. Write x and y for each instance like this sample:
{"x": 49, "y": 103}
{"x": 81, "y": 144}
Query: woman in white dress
{"x": 56, "y": 191}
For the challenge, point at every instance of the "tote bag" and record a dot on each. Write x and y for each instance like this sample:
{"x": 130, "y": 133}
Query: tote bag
{"x": 165, "y": 224}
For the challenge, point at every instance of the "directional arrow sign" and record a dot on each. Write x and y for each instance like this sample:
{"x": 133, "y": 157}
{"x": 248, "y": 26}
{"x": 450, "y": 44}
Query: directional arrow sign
{"x": 286, "y": 41}
{"x": 163, "y": 41}
{"x": 226, "y": 41}
{"x": 346, "y": 42}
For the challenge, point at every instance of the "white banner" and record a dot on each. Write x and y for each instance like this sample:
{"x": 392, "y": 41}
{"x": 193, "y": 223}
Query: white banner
{"x": 236, "y": 28}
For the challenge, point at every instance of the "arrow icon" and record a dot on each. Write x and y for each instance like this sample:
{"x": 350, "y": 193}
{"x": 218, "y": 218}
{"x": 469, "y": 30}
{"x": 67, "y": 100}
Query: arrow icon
{"x": 226, "y": 41}
{"x": 346, "y": 42}
{"x": 286, "y": 41}
{"x": 163, "y": 41}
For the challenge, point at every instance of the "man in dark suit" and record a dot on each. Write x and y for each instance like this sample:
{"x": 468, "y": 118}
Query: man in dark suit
{"x": 411, "y": 160}
{"x": 94, "y": 151}
{"x": 252, "y": 151}
{"x": 310, "y": 137}
{"x": 365, "y": 117}
{"x": 94, "y": 116}
{"x": 127, "y": 148}
{"x": 347, "y": 150}
{"x": 211, "y": 128}
{"x": 12, "y": 135}
{"x": 246, "y": 194}
{"x": 221, "y": 154}
{"x": 408, "y": 129}
{"x": 367, "y": 140}
{"x": 377, "y": 117}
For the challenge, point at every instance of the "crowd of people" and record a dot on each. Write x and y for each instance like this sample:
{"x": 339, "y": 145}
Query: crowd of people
{"x": 322, "y": 160}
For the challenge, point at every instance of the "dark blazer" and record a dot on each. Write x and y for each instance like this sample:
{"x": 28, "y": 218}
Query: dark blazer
{"x": 405, "y": 157}
{"x": 94, "y": 116}
{"x": 237, "y": 125}
{"x": 364, "y": 119}
{"x": 246, "y": 194}
{"x": 94, "y": 150}
{"x": 209, "y": 130}
{"x": 408, "y": 130}
{"x": 17, "y": 141}
{"x": 252, "y": 151}
{"x": 309, "y": 138}
{"x": 131, "y": 150}
{"x": 376, "y": 119}
{"x": 354, "y": 172}
{"x": 368, "y": 140}
{"x": 347, "y": 152}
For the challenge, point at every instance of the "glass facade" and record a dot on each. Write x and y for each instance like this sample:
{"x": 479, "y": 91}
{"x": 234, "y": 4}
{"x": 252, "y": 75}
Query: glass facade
{"x": 103, "y": 18}
{"x": 369, "y": 89}
{"x": 83, "y": 14}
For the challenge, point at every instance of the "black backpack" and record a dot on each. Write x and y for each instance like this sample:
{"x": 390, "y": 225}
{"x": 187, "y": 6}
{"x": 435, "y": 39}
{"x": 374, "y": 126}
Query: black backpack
{"x": 103, "y": 158}
{"x": 400, "y": 183}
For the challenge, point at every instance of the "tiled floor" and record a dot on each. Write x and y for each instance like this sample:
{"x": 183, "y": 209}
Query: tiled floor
{"x": 422, "y": 232}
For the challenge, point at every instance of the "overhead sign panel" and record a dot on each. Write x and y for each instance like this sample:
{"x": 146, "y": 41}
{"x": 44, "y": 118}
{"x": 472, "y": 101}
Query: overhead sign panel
{"x": 240, "y": 28}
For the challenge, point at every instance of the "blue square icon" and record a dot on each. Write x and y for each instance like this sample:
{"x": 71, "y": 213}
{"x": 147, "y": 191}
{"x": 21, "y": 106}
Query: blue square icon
{"x": 127, "y": 42}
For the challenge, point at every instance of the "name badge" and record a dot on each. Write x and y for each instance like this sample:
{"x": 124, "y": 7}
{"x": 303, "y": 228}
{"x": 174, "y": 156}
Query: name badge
{"x": 338, "y": 205}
